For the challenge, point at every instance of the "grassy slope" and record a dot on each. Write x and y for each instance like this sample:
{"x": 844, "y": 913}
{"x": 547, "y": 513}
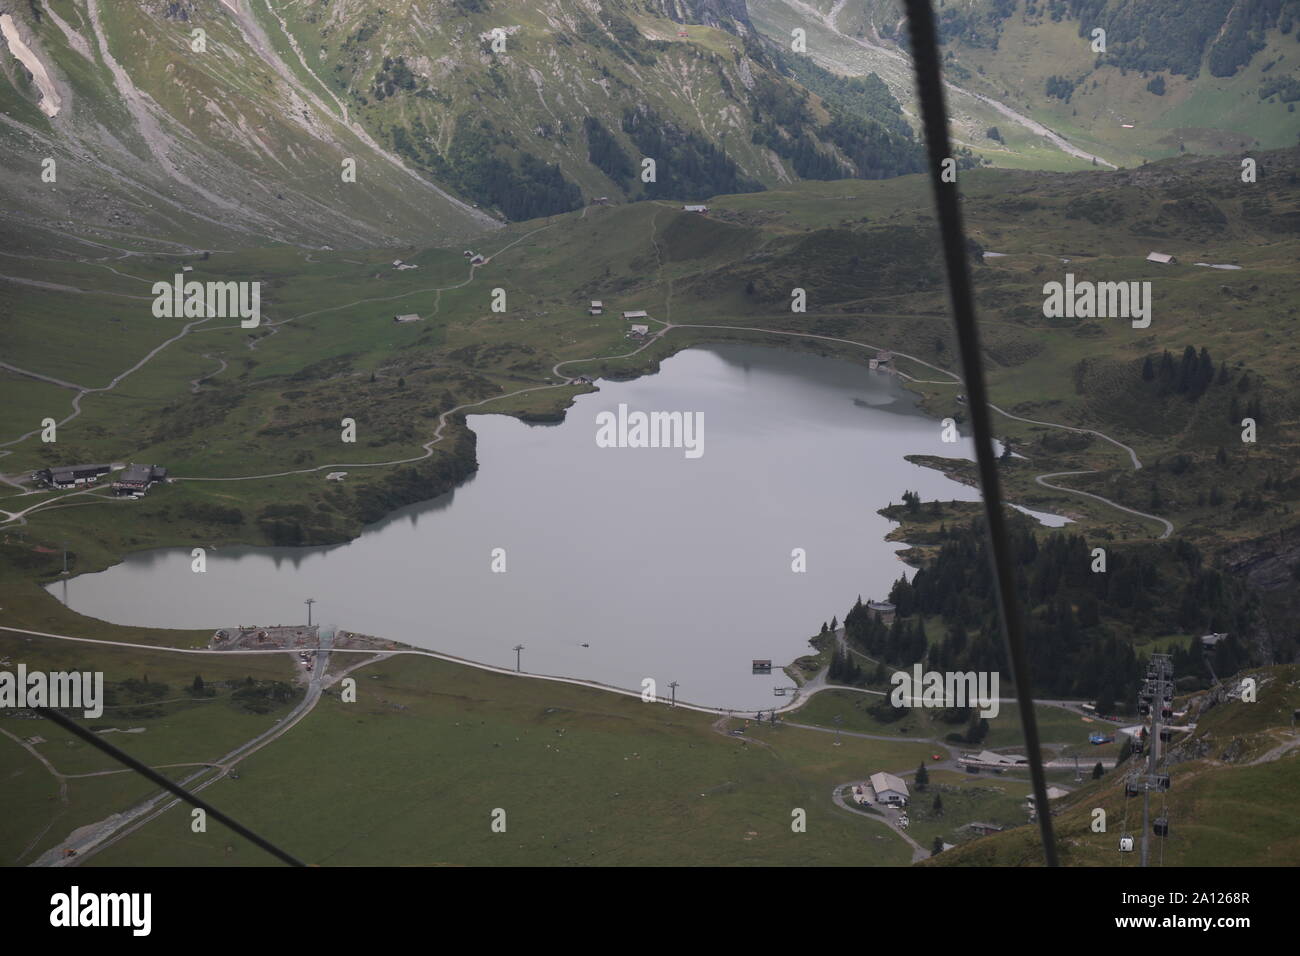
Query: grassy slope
{"x": 411, "y": 773}
{"x": 189, "y": 730}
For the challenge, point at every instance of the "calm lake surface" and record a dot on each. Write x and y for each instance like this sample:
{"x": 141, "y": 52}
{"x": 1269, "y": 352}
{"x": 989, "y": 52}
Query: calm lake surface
{"x": 668, "y": 567}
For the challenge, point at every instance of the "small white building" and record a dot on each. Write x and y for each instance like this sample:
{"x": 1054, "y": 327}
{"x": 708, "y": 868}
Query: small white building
{"x": 597, "y": 307}
{"x": 1160, "y": 257}
{"x": 889, "y": 790}
{"x": 639, "y": 330}
{"x": 1209, "y": 640}
{"x": 408, "y": 317}
{"x": 477, "y": 260}
{"x": 637, "y": 314}
{"x": 696, "y": 208}
{"x": 336, "y": 476}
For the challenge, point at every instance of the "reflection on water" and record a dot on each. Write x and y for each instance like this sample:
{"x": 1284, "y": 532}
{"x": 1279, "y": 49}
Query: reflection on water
{"x": 620, "y": 563}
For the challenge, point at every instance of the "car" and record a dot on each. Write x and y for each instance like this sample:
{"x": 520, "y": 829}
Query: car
{"x": 935, "y": 757}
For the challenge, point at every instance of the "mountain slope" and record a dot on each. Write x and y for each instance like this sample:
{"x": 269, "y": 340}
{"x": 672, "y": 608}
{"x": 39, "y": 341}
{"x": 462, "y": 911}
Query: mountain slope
{"x": 155, "y": 142}
{"x": 1202, "y": 76}
{"x": 230, "y": 122}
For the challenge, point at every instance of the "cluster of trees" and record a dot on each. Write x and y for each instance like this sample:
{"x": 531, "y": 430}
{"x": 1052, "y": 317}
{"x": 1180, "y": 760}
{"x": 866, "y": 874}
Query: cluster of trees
{"x": 1058, "y": 87}
{"x": 515, "y": 181}
{"x": 1070, "y": 612}
{"x": 687, "y": 166}
{"x": 844, "y": 669}
{"x": 807, "y": 158}
{"x": 974, "y": 25}
{"x": 866, "y": 125}
{"x": 1192, "y": 376}
{"x": 866, "y": 97}
{"x": 1173, "y": 35}
{"x": 605, "y": 153}
{"x": 477, "y": 164}
{"x": 870, "y": 148}
{"x": 1286, "y": 87}
{"x": 395, "y": 75}
{"x": 260, "y": 697}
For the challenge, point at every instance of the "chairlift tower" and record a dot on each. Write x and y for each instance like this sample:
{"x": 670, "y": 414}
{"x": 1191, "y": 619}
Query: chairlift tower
{"x": 1156, "y": 697}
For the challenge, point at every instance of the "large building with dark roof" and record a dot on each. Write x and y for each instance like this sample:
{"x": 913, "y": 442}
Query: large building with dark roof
{"x": 68, "y": 476}
{"x": 137, "y": 478}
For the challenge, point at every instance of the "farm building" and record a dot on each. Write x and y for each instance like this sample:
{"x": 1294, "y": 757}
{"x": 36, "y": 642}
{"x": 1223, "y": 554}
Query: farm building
{"x": 636, "y": 314}
{"x": 407, "y": 317}
{"x": 136, "y": 479}
{"x": 638, "y": 330}
{"x": 68, "y": 476}
{"x": 889, "y": 789}
{"x": 696, "y": 208}
{"x": 597, "y": 307}
{"x": 1161, "y": 257}
{"x": 477, "y": 260}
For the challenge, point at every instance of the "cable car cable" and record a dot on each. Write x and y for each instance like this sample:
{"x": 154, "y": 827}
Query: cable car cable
{"x": 934, "y": 114}
{"x": 123, "y": 757}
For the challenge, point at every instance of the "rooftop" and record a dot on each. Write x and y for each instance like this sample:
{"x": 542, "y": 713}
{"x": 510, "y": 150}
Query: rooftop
{"x": 887, "y": 781}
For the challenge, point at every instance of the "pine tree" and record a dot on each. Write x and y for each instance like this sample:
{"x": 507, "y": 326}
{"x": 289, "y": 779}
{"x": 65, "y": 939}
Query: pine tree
{"x": 937, "y": 807}
{"x": 922, "y": 778}
{"x": 1098, "y": 771}
{"x": 937, "y": 847}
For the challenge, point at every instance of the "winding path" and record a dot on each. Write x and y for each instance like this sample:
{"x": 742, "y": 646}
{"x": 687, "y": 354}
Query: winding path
{"x": 444, "y": 417}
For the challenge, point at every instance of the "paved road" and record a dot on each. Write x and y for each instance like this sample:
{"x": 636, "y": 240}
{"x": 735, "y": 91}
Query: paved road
{"x": 888, "y": 818}
{"x": 89, "y": 840}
